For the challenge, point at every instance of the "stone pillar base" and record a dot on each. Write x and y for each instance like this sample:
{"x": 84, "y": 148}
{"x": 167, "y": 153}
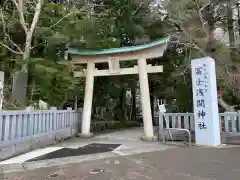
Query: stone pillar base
{"x": 145, "y": 138}
{"x": 89, "y": 135}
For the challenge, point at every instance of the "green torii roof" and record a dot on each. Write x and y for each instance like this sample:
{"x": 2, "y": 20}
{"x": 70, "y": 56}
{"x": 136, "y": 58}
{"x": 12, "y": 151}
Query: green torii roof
{"x": 117, "y": 50}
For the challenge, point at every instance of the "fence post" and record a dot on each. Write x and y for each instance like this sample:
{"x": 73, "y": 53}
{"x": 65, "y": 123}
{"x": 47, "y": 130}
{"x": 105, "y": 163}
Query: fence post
{"x": 54, "y": 125}
{"x": 192, "y": 123}
{"x": 30, "y": 131}
{"x": 69, "y": 109}
{"x": 238, "y": 115}
{"x": 1, "y": 127}
{"x": 69, "y": 119}
{"x": 160, "y": 126}
{"x": 6, "y": 130}
{"x": 220, "y": 123}
{"x": 78, "y": 120}
{"x": 234, "y": 123}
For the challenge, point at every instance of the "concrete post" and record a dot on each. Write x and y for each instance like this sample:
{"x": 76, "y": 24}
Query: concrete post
{"x": 87, "y": 108}
{"x": 30, "y": 129}
{"x": 238, "y": 120}
{"x": 1, "y": 89}
{"x": 145, "y": 100}
{"x": 54, "y": 122}
{"x": 160, "y": 126}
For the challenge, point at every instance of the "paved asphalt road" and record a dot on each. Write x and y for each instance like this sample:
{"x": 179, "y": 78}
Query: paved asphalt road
{"x": 170, "y": 164}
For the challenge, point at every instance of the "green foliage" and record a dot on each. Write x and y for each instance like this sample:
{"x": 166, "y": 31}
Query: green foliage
{"x": 52, "y": 82}
{"x": 106, "y": 126}
{"x": 114, "y": 23}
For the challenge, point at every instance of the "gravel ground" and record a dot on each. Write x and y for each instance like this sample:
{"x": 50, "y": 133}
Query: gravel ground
{"x": 170, "y": 164}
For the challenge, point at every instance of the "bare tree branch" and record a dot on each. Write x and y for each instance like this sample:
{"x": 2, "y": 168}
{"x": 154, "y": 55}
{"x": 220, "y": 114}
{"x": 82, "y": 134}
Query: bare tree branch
{"x": 72, "y": 10}
{"x": 7, "y": 35}
{"x": 200, "y": 10}
{"x": 60, "y": 20}
{"x": 67, "y": 15}
{"x": 36, "y": 16}
{"x": 10, "y": 49}
{"x": 139, "y": 7}
{"x": 182, "y": 29}
{"x": 19, "y": 6}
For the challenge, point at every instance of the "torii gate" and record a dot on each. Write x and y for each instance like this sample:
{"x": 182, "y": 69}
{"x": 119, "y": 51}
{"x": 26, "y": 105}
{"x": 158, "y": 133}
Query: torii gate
{"x": 138, "y": 53}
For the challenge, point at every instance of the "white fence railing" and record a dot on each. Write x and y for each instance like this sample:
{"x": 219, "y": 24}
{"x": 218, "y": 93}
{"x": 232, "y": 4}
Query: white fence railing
{"x": 18, "y": 126}
{"x": 229, "y": 121}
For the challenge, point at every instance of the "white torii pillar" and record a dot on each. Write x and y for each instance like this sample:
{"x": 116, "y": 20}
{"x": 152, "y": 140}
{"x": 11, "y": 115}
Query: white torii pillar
{"x": 145, "y": 100}
{"x": 87, "y": 108}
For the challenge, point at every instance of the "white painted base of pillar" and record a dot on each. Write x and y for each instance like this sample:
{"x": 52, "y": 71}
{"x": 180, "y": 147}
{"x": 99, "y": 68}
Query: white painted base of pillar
{"x": 145, "y": 138}
{"x": 88, "y": 135}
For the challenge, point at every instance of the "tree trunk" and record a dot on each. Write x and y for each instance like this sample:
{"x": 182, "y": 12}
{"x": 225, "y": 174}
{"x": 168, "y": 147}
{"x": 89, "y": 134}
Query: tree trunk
{"x": 133, "y": 112}
{"x": 210, "y": 49}
{"x": 122, "y": 102}
{"x": 231, "y": 32}
{"x": 19, "y": 88}
{"x": 238, "y": 22}
{"x": 232, "y": 43}
{"x": 225, "y": 105}
{"x": 76, "y": 103}
{"x": 151, "y": 89}
{"x": 211, "y": 28}
{"x": 20, "y": 78}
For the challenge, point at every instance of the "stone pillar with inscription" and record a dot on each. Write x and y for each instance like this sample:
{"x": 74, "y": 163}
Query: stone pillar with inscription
{"x": 207, "y": 129}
